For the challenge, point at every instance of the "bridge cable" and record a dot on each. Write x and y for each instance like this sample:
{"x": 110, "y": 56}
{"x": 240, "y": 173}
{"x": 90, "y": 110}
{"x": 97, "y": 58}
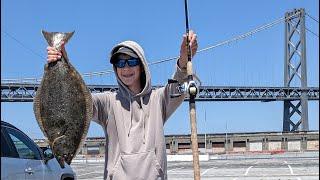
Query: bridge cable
{"x": 308, "y": 30}
{"x": 15, "y": 39}
{"x": 240, "y": 37}
{"x": 312, "y": 18}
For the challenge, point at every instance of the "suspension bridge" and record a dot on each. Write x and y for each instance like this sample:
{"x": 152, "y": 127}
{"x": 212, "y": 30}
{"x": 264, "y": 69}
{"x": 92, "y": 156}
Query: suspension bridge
{"x": 295, "y": 98}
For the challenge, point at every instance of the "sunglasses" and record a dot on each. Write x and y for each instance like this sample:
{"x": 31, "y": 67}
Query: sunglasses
{"x": 121, "y": 63}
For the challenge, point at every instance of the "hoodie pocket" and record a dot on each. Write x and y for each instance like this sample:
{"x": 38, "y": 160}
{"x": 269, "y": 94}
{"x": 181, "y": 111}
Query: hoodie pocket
{"x": 139, "y": 166}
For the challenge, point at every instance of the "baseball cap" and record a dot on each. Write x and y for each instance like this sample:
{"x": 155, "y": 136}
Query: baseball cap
{"x": 122, "y": 50}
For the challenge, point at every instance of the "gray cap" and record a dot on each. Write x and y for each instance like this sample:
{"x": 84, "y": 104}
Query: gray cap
{"x": 123, "y": 50}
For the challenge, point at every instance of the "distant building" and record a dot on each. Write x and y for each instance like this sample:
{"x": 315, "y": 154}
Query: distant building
{"x": 222, "y": 143}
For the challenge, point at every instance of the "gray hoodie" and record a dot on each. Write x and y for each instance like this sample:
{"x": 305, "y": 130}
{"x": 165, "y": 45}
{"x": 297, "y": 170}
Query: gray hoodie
{"x": 133, "y": 125}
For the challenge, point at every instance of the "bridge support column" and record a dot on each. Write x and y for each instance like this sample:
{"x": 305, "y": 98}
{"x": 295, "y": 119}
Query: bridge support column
{"x": 295, "y": 114}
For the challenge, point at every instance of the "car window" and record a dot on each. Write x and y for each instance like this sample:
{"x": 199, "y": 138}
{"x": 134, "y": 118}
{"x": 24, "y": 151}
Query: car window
{"x": 25, "y": 147}
{"x": 7, "y": 149}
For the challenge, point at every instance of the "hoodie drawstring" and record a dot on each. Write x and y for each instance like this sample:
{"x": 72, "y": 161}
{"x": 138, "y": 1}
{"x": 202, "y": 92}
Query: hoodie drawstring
{"x": 142, "y": 118}
{"x": 130, "y": 116}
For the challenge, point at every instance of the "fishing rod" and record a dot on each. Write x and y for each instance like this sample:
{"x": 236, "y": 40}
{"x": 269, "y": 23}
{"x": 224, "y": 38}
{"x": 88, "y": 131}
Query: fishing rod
{"x": 190, "y": 87}
{"x": 192, "y": 90}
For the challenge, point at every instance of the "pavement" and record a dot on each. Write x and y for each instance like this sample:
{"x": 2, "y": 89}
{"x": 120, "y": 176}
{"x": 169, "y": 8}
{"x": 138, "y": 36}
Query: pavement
{"x": 285, "y": 166}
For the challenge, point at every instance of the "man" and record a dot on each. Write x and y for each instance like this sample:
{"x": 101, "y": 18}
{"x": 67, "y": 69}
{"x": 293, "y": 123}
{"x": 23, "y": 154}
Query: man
{"x": 133, "y": 117}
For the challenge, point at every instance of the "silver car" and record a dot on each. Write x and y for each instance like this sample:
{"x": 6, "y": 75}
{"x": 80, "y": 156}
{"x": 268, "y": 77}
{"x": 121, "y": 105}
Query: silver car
{"x": 22, "y": 158}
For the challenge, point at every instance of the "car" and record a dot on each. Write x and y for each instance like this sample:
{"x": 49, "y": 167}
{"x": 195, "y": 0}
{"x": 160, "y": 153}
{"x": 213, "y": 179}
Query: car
{"x": 22, "y": 158}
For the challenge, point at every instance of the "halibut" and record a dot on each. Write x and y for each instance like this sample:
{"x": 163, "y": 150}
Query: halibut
{"x": 63, "y": 104}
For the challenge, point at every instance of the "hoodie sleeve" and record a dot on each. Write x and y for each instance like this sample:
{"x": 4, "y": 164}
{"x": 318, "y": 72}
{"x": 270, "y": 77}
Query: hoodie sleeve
{"x": 101, "y": 103}
{"x": 169, "y": 105}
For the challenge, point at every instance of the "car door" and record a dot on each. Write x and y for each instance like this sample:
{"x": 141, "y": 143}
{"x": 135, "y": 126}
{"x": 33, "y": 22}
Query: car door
{"x": 11, "y": 165}
{"x": 29, "y": 154}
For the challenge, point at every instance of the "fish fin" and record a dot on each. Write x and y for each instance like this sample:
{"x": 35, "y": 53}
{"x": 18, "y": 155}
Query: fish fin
{"x": 89, "y": 107}
{"x": 36, "y": 109}
{"x": 89, "y": 114}
{"x": 54, "y": 38}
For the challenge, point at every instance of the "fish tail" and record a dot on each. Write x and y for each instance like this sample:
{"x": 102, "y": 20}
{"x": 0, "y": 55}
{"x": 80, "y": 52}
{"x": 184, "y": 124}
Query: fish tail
{"x": 54, "y": 39}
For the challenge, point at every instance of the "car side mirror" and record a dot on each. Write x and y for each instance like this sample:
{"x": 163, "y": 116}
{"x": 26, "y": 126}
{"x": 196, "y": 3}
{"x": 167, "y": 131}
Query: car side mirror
{"x": 47, "y": 155}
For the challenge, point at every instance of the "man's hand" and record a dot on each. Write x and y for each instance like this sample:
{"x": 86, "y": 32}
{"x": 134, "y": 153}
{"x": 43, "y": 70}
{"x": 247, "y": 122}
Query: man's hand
{"x": 184, "y": 49}
{"x": 54, "y": 54}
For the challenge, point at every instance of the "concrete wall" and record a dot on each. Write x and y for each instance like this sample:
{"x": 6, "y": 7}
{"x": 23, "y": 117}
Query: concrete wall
{"x": 274, "y": 146}
{"x": 313, "y": 145}
{"x": 218, "y": 150}
{"x": 255, "y": 146}
{"x": 294, "y": 145}
{"x": 202, "y": 150}
{"x": 220, "y": 143}
{"x": 218, "y": 147}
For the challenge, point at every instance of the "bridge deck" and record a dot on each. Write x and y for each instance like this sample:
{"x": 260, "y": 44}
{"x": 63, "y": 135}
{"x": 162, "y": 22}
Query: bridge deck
{"x": 25, "y": 92}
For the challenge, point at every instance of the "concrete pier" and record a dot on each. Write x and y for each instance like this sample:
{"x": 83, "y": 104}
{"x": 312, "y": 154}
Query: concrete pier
{"x": 255, "y": 142}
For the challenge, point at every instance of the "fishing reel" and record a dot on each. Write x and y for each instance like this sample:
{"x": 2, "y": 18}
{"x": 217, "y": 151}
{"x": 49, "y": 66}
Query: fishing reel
{"x": 190, "y": 87}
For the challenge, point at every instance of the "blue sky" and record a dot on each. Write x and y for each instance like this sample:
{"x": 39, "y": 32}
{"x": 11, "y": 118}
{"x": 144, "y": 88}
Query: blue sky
{"x": 158, "y": 26}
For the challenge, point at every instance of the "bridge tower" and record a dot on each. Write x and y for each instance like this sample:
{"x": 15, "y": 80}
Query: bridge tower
{"x": 295, "y": 116}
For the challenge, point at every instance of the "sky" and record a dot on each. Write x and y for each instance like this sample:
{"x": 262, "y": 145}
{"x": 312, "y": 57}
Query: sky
{"x": 158, "y": 27}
